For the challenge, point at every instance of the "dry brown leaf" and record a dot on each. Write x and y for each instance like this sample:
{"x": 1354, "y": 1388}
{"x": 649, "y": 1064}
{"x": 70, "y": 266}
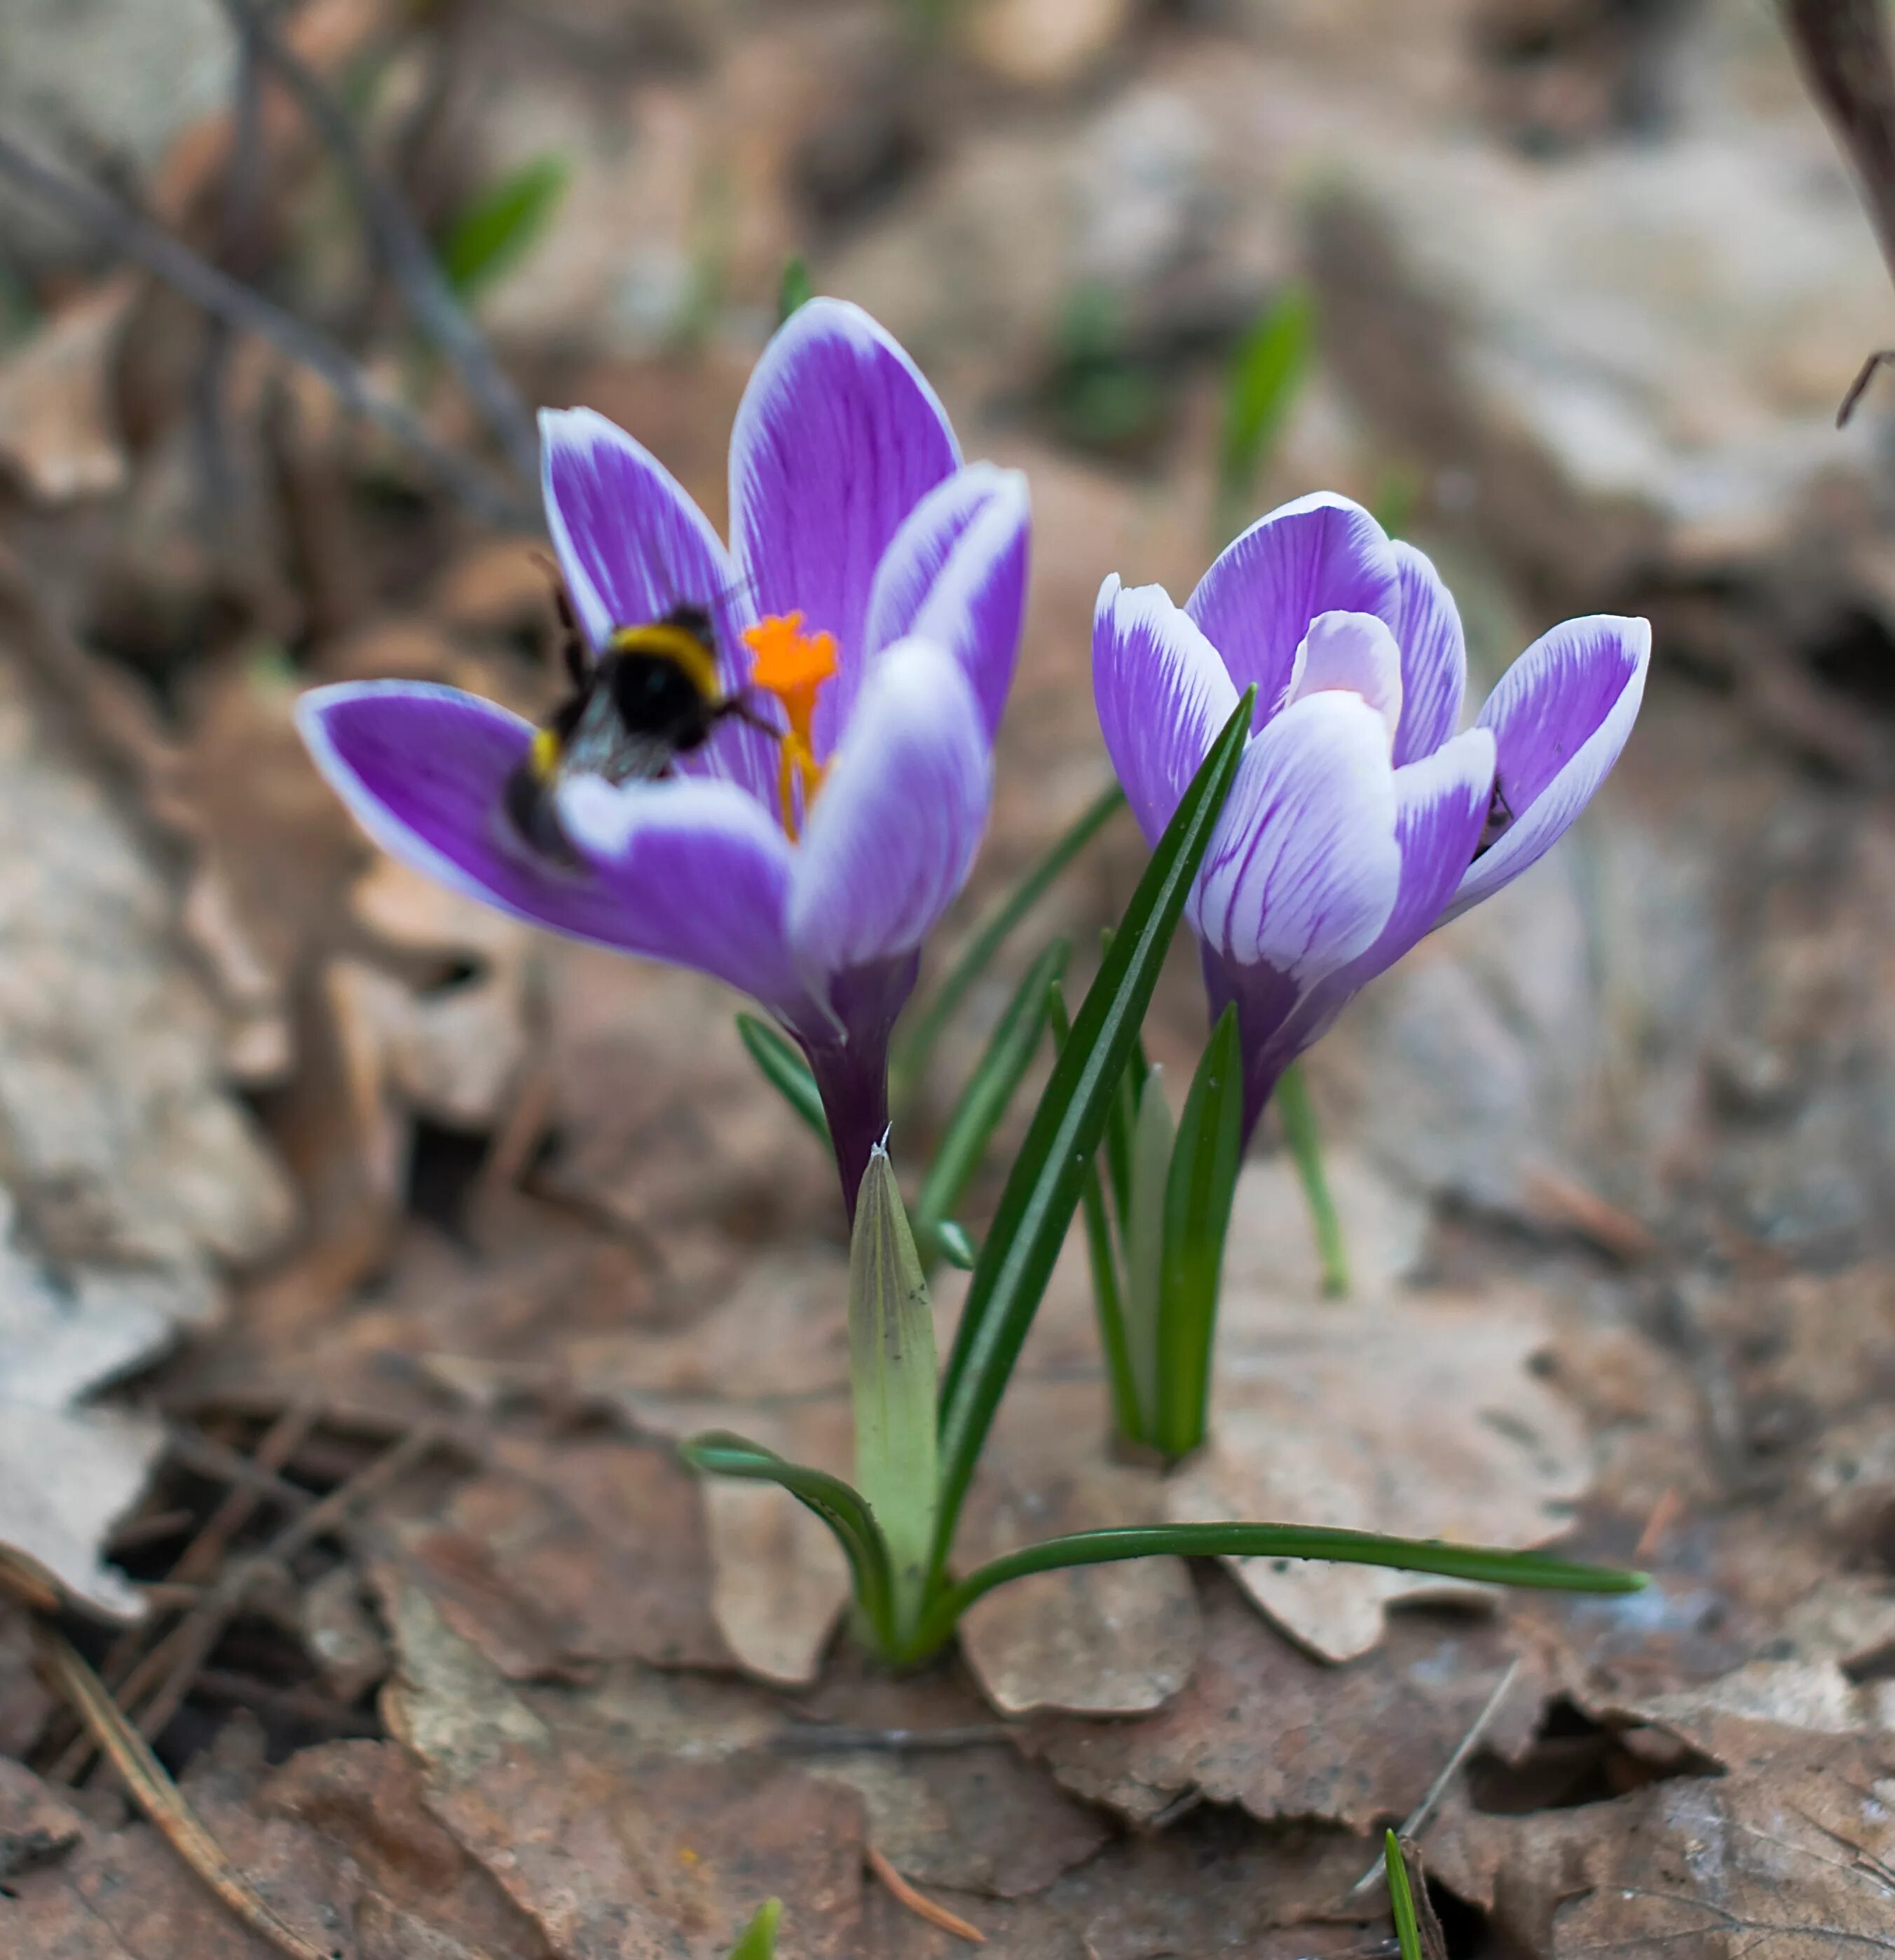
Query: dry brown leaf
{"x": 1263, "y": 1724}
{"x": 615, "y": 1848}
{"x": 1271, "y": 1251}
{"x": 1790, "y": 1855}
{"x": 58, "y": 430}
{"x": 1106, "y": 1640}
{"x": 1422, "y": 1421}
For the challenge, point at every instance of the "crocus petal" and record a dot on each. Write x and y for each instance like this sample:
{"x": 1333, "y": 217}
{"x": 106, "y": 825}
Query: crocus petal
{"x": 700, "y": 874}
{"x": 1302, "y": 873}
{"x": 1560, "y": 716}
{"x": 1440, "y": 803}
{"x": 1427, "y": 624}
{"x": 837, "y": 439}
{"x": 893, "y": 834}
{"x": 956, "y": 574}
{"x": 1321, "y": 554}
{"x": 424, "y": 768}
{"x": 632, "y": 545}
{"x": 1162, "y": 695}
{"x": 1351, "y": 653}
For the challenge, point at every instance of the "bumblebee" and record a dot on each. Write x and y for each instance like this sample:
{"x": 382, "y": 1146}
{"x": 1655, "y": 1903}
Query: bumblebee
{"x": 650, "y": 696}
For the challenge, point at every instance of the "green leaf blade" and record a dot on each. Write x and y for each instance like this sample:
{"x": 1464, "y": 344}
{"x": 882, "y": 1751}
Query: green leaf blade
{"x": 1049, "y": 1173}
{"x": 926, "y": 1026}
{"x": 989, "y": 1090}
{"x": 759, "y": 1939}
{"x": 498, "y": 226}
{"x": 892, "y": 1371}
{"x": 1153, "y": 1137}
{"x": 785, "y": 1070}
{"x": 1199, "y": 1188}
{"x": 1401, "y": 1900}
{"x": 794, "y": 289}
{"x": 718, "y": 1453}
{"x": 1267, "y": 371}
{"x": 1478, "y": 1565}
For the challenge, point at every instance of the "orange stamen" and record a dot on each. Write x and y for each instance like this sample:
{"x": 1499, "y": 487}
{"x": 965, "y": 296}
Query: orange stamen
{"x": 792, "y": 665}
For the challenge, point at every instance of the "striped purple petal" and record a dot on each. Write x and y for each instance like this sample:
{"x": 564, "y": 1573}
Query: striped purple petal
{"x": 632, "y": 545}
{"x": 1303, "y": 870}
{"x": 1426, "y": 626}
{"x": 838, "y": 437}
{"x": 893, "y": 834}
{"x": 956, "y": 574}
{"x": 700, "y": 878}
{"x": 1560, "y": 716}
{"x": 1162, "y": 693}
{"x": 1321, "y": 554}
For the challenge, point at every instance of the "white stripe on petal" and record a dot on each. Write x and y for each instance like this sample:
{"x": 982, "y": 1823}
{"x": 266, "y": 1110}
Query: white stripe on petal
{"x": 1428, "y": 629}
{"x": 1305, "y": 868}
{"x": 895, "y": 828}
{"x": 1560, "y": 716}
{"x": 1162, "y": 693}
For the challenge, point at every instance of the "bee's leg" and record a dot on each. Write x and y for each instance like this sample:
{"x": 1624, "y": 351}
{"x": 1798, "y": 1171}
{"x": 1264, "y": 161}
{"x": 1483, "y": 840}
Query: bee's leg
{"x": 735, "y": 708}
{"x": 574, "y": 654}
{"x": 1882, "y": 358}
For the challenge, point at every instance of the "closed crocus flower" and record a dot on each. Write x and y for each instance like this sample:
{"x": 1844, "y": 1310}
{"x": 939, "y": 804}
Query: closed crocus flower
{"x": 863, "y": 623}
{"x": 1360, "y": 818}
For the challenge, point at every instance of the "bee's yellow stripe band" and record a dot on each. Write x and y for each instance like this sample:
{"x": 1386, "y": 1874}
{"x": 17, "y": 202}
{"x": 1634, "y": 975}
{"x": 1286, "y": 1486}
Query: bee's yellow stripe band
{"x": 673, "y": 643}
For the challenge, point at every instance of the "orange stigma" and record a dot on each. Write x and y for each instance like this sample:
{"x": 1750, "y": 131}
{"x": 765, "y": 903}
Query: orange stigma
{"x": 792, "y": 665}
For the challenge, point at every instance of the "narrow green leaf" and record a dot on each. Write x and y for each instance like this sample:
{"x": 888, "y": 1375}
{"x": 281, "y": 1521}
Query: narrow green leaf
{"x": 892, "y": 1381}
{"x": 1299, "y": 1117}
{"x": 983, "y": 1102}
{"x": 1122, "y": 1124}
{"x": 758, "y": 1939}
{"x": 1199, "y": 1188}
{"x": 1479, "y": 1564}
{"x": 1267, "y": 368}
{"x": 925, "y": 1025}
{"x": 496, "y": 228}
{"x": 1152, "y": 1142}
{"x": 1108, "y": 1295}
{"x": 794, "y": 289}
{"x": 1049, "y": 1173}
{"x": 717, "y": 1453}
{"x": 785, "y": 1070}
{"x": 1401, "y": 1900}
{"x": 957, "y": 1247}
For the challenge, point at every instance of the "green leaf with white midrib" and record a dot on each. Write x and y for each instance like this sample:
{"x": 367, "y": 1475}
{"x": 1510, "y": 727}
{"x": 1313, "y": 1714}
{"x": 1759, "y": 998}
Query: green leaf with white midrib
{"x": 892, "y": 1372}
{"x": 1049, "y": 1173}
{"x": 989, "y": 1089}
{"x": 1200, "y": 1183}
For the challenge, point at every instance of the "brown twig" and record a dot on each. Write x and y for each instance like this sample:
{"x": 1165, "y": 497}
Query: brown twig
{"x": 155, "y": 1794}
{"x": 919, "y": 1904}
{"x": 410, "y": 258}
{"x": 148, "y": 245}
{"x": 285, "y": 1436}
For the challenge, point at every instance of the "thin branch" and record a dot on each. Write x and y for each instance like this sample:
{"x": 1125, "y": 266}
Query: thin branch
{"x": 409, "y": 257}
{"x": 1423, "y": 1813}
{"x": 158, "y": 1796}
{"x": 156, "y": 252}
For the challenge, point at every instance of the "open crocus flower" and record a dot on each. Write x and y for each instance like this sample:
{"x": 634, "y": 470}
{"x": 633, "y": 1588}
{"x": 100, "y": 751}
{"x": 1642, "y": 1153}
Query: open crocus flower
{"x": 1359, "y": 819}
{"x": 821, "y": 816}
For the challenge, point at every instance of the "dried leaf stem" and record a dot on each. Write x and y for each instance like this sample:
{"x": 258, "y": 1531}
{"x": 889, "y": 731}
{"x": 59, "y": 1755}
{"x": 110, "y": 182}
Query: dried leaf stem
{"x": 154, "y": 249}
{"x": 410, "y": 258}
{"x": 919, "y": 1904}
{"x": 155, "y": 1794}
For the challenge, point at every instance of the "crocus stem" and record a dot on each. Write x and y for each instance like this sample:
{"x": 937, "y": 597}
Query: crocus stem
{"x": 852, "y": 1071}
{"x": 1293, "y": 1106}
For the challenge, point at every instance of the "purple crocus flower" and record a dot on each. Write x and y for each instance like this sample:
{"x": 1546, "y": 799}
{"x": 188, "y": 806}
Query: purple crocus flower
{"x": 867, "y": 615}
{"x": 1359, "y": 819}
